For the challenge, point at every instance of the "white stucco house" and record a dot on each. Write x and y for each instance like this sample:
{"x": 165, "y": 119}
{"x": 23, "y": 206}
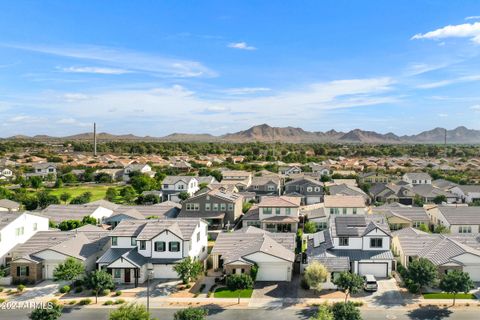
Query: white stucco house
{"x": 137, "y": 167}
{"x": 414, "y": 178}
{"x": 172, "y": 186}
{"x": 466, "y": 193}
{"x": 137, "y": 245}
{"x": 459, "y": 219}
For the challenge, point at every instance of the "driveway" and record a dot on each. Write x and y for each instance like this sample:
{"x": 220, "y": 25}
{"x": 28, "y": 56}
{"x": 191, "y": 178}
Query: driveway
{"x": 159, "y": 288}
{"x": 45, "y": 289}
{"x": 269, "y": 290}
{"x": 388, "y": 295}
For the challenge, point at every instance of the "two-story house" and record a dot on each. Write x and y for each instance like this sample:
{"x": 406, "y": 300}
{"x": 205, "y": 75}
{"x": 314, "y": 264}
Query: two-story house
{"x": 16, "y": 228}
{"x": 457, "y": 219}
{"x": 466, "y": 193}
{"x": 6, "y": 174}
{"x": 289, "y": 170}
{"x": 374, "y": 177}
{"x": 311, "y": 190}
{"x": 43, "y": 170}
{"x": 414, "y": 178}
{"x": 172, "y": 186}
{"x": 217, "y": 207}
{"x": 140, "y": 247}
{"x": 360, "y": 244}
{"x": 240, "y": 179}
{"x": 137, "y": 167}
{"x": 344, "y": 205}
{"x": 265, "y": 185}
{"x": 279, "y": 214}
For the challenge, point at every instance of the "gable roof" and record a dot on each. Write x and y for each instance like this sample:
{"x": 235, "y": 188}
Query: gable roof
{"x": 176, "y": 179}
{"x": 461, "y": 214}
{"x": 148, "y": 229}
{"x": 280, "y": 201}
{"x": 356, "y": 226}
{"x": 342, "y": 201}
{"x": 9, "y": 204}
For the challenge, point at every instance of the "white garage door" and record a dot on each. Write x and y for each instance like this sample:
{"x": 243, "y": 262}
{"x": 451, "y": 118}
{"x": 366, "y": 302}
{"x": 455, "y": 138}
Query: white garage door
{"x": 376, "y": 269}
{"x": 271, "y": 272}
{"x": 312, "y": 200}
{"x": 474, "y": 272}
{"x": 164, "y": 271}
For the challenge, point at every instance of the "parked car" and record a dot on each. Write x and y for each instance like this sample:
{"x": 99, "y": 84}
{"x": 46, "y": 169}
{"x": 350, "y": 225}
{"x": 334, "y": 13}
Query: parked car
{"x": 370, "y": 283}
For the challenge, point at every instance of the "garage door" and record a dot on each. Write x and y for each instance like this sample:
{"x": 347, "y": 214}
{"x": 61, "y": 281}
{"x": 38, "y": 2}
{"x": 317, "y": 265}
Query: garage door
{"x": 473, "y": 271}
{"x": 164, "y": 271}
{"x": 270, "y": 272}
{"x": 312, "y": 200}
{"x": 376, "y": 269}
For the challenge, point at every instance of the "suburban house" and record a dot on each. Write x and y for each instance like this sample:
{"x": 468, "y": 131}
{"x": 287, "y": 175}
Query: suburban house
{"x": 16, "y": 228}
{"x": 414, "y": 178}
{"x": 347, "y": 190}
{"x": 265, "y": 185}
{"x": 36, "y": 259}
{"x": 428, "y": 193}
{"x": 289, "y": 170}
{"x": 320, "y": 169}
{"x": 315, "y": 213}
{"x": 137, "y": 167}
{"x": 9, "y": 205}
{"x": 275, "y": 214}
{"x": 444, "y": 251}
{"x": 272, "y": 253}
{"x": 60, "y": 212}
{"x": 374, "y": 177}
{"x": 390, "y": 193}
{"x": 217, "y": 207}
{"x": 309, "y": 189}
{"x": 457, "y": 219}
{"x": 138, "y": 244}
{"x": 344, "y": 205}
{"x": 163, "y": 210}
{"x": 404, "y": 217}
{"x": 466, "y": 193}
{"x": 43, "y": 170}
{"x": 240, "y": 179}
{"x": 115, "y": 174}
{"x": 6, "y": 174}
{"x": 359, "y": 244}
{"x": 172, "y": 186}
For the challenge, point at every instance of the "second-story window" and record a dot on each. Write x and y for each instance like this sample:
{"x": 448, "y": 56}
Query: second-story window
{"x": 223, "y": 207}
{"x": 344, "y": 210}
{"x": 143, "y": 245}
{"x": 267, "y": 210}
{"x": 230, "y": 207}
{"x": 288, "y": 211}
{"x": 174, "y": 246}
{"x": 376, "y": 242}
{"x": 160, "y": 246}
{"x": 35, "y": 226}
{"x": 114, "y": 241}
{"x": 215, "y": 207}
{"x": 277, "y": 210}
{"x": 207, "y": 206}
{"x": 354, "y": 210}
{"x": 343, "y": 241}
{"x": 133, "y": 241}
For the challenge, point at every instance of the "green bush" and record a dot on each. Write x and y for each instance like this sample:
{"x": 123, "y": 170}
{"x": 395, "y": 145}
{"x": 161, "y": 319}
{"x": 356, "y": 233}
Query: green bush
{"x": 304, "y": 284}
{"x": 84, "y": 302}
{"x": 2, "y": 300}
{"x": 72, "y": 302}
{"x": 78, "y": 283}
{"x": 239, "y": 281}
{"x": 119, "y": 301}
{"x": 65, "y": 289}
{"x": 78, "y": 289}
{"x": 108, "y": 303}
{"x": 118, "y": 293}
{"x": 1, "y": 289}
{"x": 20, "y": 288}
{"x": 412, "y": 286}
{"x": 105, "y": 292}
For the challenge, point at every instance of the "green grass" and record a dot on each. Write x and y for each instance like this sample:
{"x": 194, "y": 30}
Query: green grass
{"x": 98, "y": 192}
{"x": 444, "y": 295}
{"x": 225, "y": 293}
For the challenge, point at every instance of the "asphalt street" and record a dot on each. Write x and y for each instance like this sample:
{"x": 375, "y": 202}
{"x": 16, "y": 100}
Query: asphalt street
{"x": 262, "y": 314}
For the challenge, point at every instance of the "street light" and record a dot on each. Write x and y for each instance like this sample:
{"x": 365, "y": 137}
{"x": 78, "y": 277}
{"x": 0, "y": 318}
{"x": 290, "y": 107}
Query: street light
{"x": 149, "y": 276}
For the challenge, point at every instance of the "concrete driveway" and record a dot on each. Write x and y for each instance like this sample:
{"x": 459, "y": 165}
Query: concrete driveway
{"x": 45, "y": 289}
{"x": 269, "y": 290}
{"x": 160, "y": 288}
{"x": 388, "y": 295}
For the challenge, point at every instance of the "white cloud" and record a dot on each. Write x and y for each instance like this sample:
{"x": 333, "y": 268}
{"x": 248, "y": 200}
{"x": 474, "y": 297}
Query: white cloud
{"x": 72, "y": 121}
{"x": 443, "y": 83}
{"x": 241, "y": 46}
{"x": 124, "y": 59}
{"x": 72, "y": 97}
{"x": 475, "y": 107}
{"x": 472, "y": 18}
{"x": 96, "y": 70}
{"x": 466, "y": 30}
{"x": 443, "y": 115}
{"x": 242, "y": 91}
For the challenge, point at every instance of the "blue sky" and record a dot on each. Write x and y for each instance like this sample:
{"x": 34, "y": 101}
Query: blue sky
{"x": 157, "y": 67}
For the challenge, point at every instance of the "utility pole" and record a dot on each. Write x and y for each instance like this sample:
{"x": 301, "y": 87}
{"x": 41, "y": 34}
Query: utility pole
{"x": 94, "y": 139}
{"x": 445, "y": 143}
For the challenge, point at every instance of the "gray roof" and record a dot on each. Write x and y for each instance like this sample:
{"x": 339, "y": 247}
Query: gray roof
{"x": 9, "y": 204}
{"x": 44, "y": 165}
{"x": 333, "y": 263}
{"x": 357, "y": 226}
{"x": 409, "y": 213}
{"x": 175, "y": 179}
{"x": 429, "y": 191}
{"x": 104, "y": 203}
{"x": 167, "y": 209}
{"x": 346, "y": 190}
{"x": 7, "y": 217}
{"x": 461, "y": 214}
{"x": 60, "y": 212}
{"x": 357, "y": 255}
{"x": 238, "y": 245}
{"x": 443, "y": 184}
{"x": 148, "y": 229}
{"x": 469, "y": 188}
{"x": 418, "y": 176}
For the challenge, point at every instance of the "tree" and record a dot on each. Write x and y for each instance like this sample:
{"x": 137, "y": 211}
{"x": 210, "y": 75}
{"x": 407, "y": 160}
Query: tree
{"x": 439, "y": 199}
{"x": 130, "y": 311}
{"x": 309, "y": 227}
{"x": 324, "y": 313}
{"x": 98, "y": 281}
{"x": 65, "y": 197}
{"x": 45, "y": 199}
{"x": 58, "y": 183}
{"x": 69, "y": 270}
{"x": 53, "y": 311}
{"x": 239, "y": 282}
{"x": 148, "y": 199}
{"x": 183, "y": 195}
{"x": 111, "y": 194}
{"x": 35, "y": 182}
{"x": 422, "y": 272}
{"x": 142, "y": 183}
{"x": 85, "y": 197}
{"x": 346, "y": 311}
{"x": 191, "y": 314}
{"x": 418, "y": 201}
{"x": 69, "y": 225}
{"x": 89, "y": 220}
{"x": 188, "y": 269}
{"x": 128, "y": 194}
{"x": 456, "y": 281}
{"x": 349, "y": 283}
{"x": 315, "y": 275}
{"x": 423, "y": 227}
{"x": 440, "y": 228}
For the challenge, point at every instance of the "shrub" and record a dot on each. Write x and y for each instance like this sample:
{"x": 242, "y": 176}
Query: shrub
{"x": 84, "y": 302}
{"x": 78, "y": 289}
{"x": 2, "y": 300}
{"x": 119, "y": 301}
{"x": 105, "y": 292}
{"x": 304, "y": 284}
{"x": 191, "y": 314}
{"x": 108, "y": 303}
{"x": 20, "y": 288}
{"x": 188, "y": 286}
{"x": 72, "y": 302}
{"x": 1, "y": 289}
{"x": 118, "y": 293}
{"x": 65, "y": 289}
{"x": 202, "y": 287}
{"x": 78, "y": 283}
{"x": 239, "y": 281}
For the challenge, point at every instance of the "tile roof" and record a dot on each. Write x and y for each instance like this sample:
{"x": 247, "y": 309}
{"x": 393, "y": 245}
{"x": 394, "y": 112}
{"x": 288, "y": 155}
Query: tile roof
{"x": 357, "y": 226}
{"x": 341, "y": 201}
{"x": 461, "y": 214}
{"x": 9, "y": 204}
{"x": 280, "y": 201}
{"x": 147, "y": 229}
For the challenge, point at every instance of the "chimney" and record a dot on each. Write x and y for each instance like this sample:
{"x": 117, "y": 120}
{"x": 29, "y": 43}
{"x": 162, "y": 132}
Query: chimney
{"x": 94, "y": 139}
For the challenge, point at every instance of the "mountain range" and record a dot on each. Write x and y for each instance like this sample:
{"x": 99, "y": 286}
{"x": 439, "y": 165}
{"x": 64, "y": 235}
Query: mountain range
{"x": 266, "y": 133}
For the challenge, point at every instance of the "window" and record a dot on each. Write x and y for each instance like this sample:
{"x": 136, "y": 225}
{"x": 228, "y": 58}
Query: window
{"x": 309, "y": 189}
{"x": 317, "y": 189}
{"x": 174, "y": 246}
{"x": 143, "y": 245}
{"x": 133, "y": 241}
{"x": 354, "y": 210}
{"x": 230, "y": 207}
{"x": 267, "y": 210}
{"x": 321, "y": 226}
{"x": 193, "y": 207}
{"x": 344, "y": 210}
{"x": 376, "y": 242}
{"x": 215, "y": 207}
{"x": 288, "y": 211}
{"x": 198, "y": 236}
{"x": 256, "y": 187}
{"x": 35, "y": 226}
{"x": 343, "y": 241}
{"x": 277, "y": 210}
{"x": 160, "y": 246}
{"x": 208, "y": 206}
{"x": 19, "y": 231}
{"x": 23, "y": 271}
{"x": 332, "y": 211}
{"x": 417, "y": 224}
{"x": 223, "y": 207}
{"x": 465, "y": 229}
{"x": 114, "y": 241}
{"x": 165, "y": 186}
{"x": 117, "y": 273}
{"x": 271, "y": 187}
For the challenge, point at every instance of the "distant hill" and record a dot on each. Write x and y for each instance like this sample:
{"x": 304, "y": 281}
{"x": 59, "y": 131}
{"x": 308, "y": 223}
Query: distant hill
{"x": 266, "y": 133}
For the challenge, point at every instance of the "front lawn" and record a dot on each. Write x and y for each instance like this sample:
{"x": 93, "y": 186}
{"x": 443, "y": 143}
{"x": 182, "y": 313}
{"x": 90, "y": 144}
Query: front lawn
{"x": 225, "y": 293}
{"x": 98, "y": 191}
{"x": 444, "y": 295}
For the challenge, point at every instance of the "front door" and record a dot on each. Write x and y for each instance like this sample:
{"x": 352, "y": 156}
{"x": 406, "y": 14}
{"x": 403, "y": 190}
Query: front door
{"x": 127, "y": 275}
